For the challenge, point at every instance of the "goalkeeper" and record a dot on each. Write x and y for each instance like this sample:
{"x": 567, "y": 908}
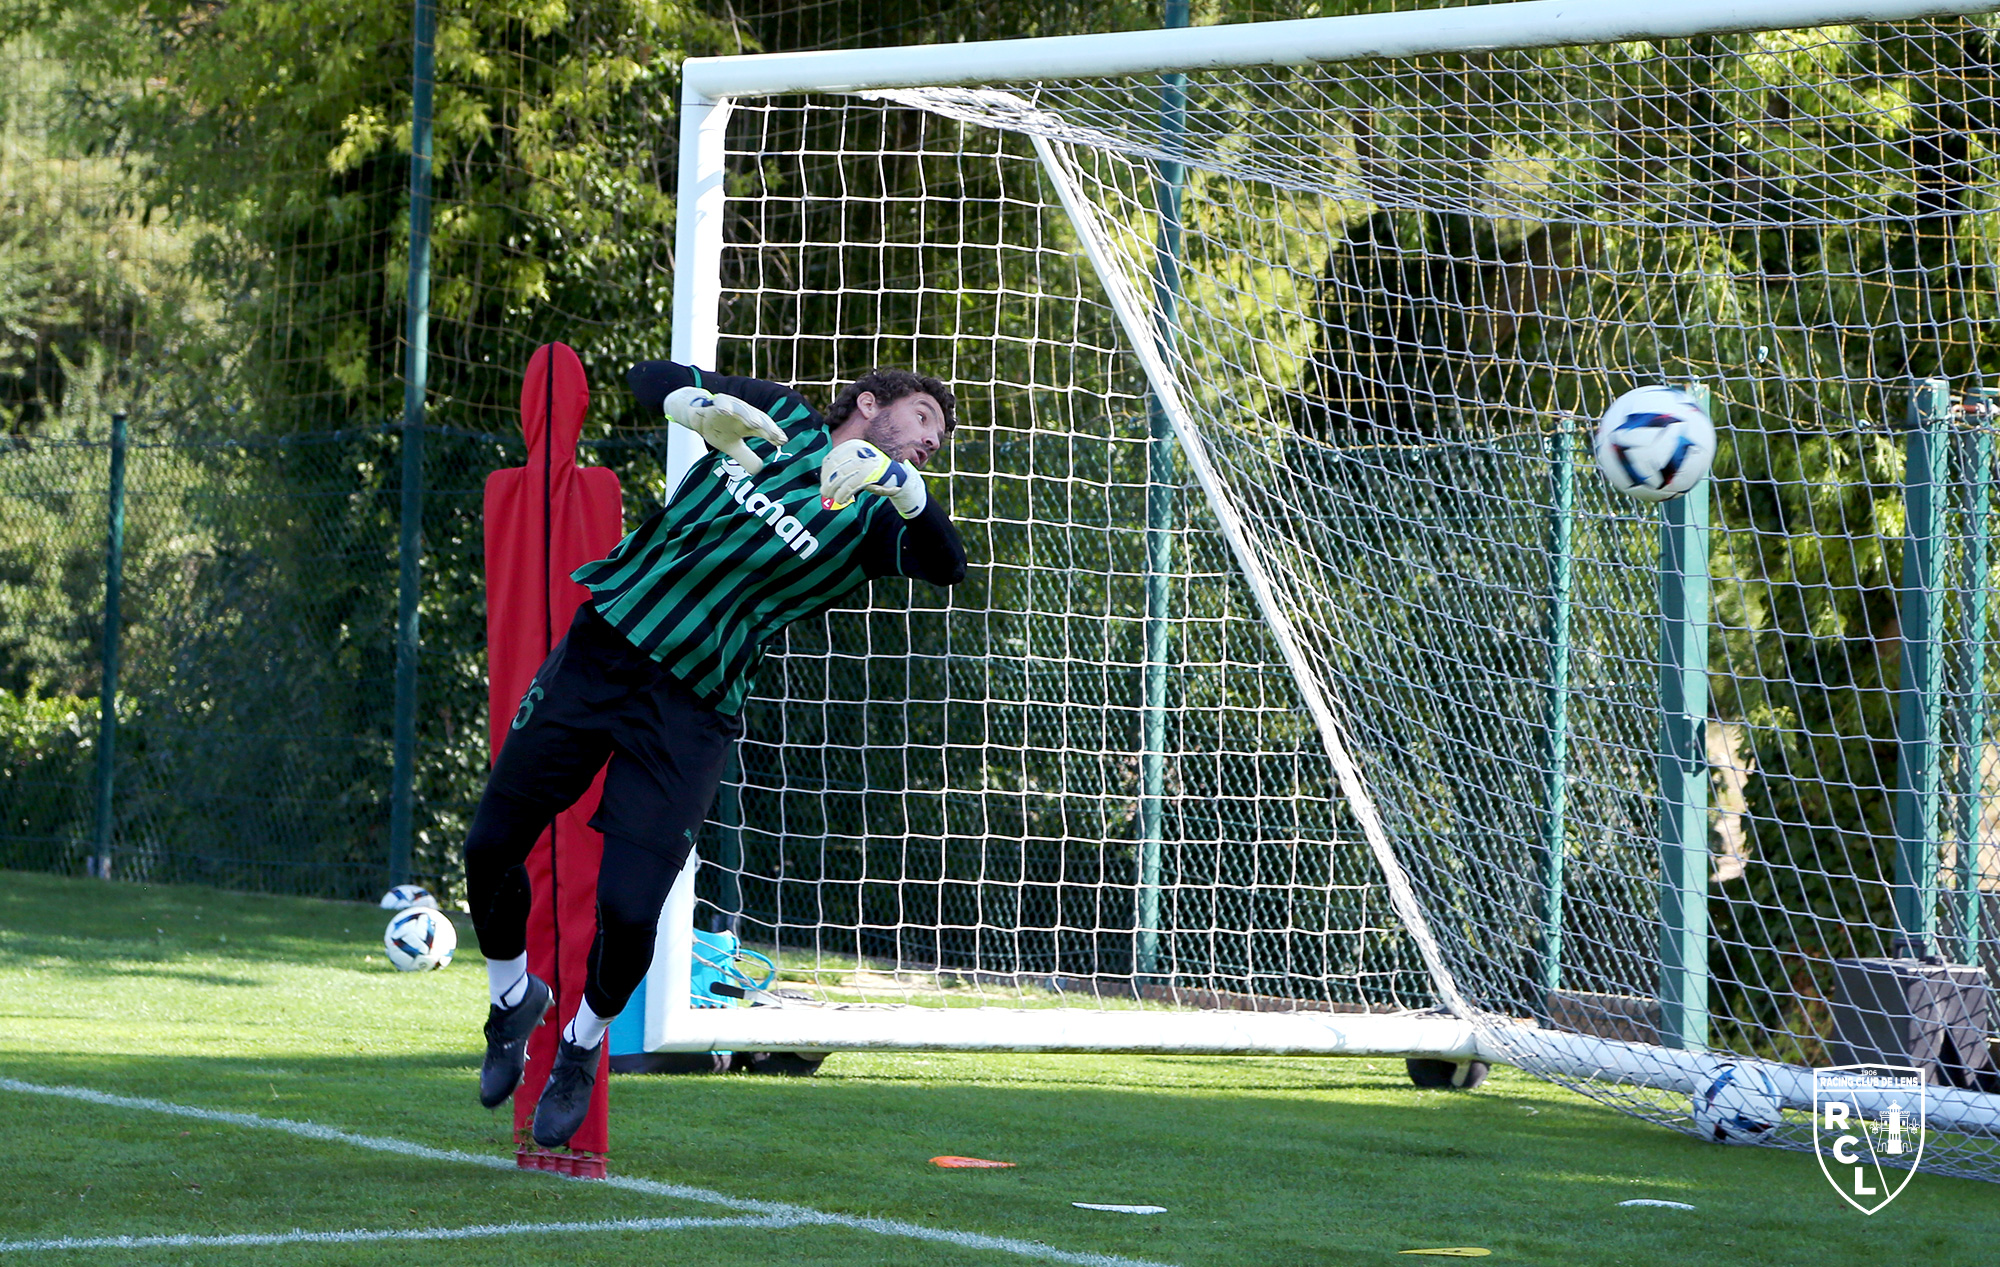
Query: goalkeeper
{"x": 771, "y": 527}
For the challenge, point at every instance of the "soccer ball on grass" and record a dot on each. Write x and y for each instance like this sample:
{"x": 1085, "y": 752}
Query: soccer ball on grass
{"x": 1737, "y": 1104}
{"x": 1655, "y": 443}
{"x": 419, "y": 939}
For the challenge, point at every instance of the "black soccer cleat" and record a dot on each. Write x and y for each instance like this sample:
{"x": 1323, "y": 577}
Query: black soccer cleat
{"x": 507, "y": 1030}
{"x": 566, "y": 1099}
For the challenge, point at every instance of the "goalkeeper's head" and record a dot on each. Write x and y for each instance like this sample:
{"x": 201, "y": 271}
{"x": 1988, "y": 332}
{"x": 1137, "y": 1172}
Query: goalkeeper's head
{"x": 905, "y": 414}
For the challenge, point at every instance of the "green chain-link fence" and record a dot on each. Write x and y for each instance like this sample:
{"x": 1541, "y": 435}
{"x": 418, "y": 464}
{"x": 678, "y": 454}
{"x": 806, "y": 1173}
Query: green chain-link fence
{"x": 255, "y": 700}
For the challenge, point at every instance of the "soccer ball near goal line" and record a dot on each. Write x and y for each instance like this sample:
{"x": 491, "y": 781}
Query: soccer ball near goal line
{"x": 1655, "y": 443}
{"x": 419, "y": 939}
{"x": 1737, "y": 1105}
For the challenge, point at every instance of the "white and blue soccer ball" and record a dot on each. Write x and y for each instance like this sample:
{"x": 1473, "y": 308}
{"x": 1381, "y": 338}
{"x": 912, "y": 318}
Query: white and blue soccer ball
{"x": 404, "y": 896}
{"x": 420, "y": 939}
{"x": 1737, "y": 1104}
{"x": 1655, "y": 443}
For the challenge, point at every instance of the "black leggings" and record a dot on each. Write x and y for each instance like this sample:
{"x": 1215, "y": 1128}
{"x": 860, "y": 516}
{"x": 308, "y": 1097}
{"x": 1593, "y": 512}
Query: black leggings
{"x": 632, "y": 886}
{"x": 598, "y": 697}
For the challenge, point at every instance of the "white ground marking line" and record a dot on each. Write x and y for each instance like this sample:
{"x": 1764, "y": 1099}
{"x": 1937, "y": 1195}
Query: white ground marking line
{"x": 189, "y": 1241}
{"x": 777, "y": 1212}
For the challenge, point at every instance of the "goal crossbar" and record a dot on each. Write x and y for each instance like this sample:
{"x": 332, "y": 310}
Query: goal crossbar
{"x": 1301, "y": 42}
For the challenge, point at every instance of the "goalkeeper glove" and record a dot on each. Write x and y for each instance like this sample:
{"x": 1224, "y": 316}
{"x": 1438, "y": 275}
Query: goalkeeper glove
{"x": 858, "y": 467}
{"x": 724, "y": 422}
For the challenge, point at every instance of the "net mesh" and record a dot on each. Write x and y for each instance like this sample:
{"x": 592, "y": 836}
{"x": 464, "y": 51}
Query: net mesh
{"x": 955, "y": 788}
{"x": 1402, "y": 294}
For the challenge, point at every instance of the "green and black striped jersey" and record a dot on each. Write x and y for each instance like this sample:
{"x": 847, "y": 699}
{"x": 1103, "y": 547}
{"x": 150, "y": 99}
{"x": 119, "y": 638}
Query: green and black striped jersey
{"x": 731, "y": 559}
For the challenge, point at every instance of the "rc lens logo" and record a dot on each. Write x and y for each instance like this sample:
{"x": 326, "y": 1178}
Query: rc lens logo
{"x": 1868, "y": 1129}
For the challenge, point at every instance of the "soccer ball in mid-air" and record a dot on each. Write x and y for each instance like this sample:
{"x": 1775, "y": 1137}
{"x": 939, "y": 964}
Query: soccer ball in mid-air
{"x": 419, "y": 939}
{"x": 1737, "y": 1104}
{"x": 404, "y": 896}
{"x": 1655, "y": 443}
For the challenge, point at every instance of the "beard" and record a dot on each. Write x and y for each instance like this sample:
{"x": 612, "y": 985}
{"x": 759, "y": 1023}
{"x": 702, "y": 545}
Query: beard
{"x": 886, "y": 439}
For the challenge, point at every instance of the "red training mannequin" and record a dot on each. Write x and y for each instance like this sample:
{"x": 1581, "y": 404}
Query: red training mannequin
{"x": 542, "y": 521}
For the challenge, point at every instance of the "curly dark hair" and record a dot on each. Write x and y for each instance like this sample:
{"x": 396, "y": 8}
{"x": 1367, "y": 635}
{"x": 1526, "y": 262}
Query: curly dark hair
{"x": 889, "y": 386}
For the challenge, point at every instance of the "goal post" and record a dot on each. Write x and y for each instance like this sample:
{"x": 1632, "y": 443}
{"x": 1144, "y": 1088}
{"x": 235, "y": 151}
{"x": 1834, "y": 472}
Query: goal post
{"x": 1466, "y": 757}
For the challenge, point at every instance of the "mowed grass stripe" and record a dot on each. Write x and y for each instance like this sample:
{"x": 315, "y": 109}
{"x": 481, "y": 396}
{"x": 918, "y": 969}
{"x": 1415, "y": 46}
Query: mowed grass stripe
{"x": 774, "y": 1213}
{"x": 284, "y": 1007}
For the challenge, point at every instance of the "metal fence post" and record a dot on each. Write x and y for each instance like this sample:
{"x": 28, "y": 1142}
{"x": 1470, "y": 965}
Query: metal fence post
{"x": 1159, "y": 521}
{"x": 1976, "y": 482}
{"x": 99, "y": 863}
{"x": 402, "y": 802}
{"x": 1920, "y": 611}
{"x": 1684, "y": 766}
{"x": 1555, "y": 739}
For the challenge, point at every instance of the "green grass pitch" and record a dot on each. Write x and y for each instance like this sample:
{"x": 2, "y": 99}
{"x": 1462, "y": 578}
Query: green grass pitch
{"x": 285, "y": 1008}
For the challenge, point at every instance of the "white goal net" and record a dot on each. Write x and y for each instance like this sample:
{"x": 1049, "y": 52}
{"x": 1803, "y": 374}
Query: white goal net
{"x": 1306, "y": 667}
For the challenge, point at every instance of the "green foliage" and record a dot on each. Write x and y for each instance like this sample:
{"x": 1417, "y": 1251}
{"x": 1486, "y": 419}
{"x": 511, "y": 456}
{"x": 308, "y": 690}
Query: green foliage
{"x": 94, "y": 288}
{"x": 46, "y": 745}
{"x": 278, "y": 135}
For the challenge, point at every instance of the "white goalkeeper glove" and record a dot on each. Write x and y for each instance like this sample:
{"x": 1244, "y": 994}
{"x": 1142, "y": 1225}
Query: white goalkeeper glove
{"x": 858, "y": 467}
{"x": 724, "y": 422}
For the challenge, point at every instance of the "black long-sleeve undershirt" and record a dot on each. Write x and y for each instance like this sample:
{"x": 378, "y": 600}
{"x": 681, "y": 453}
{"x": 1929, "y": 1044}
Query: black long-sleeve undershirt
{"x": 926, "y": 548}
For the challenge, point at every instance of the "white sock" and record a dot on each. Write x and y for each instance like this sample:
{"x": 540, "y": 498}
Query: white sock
{"x": 586, "y": 1028}
{"x": 507, "y": 980}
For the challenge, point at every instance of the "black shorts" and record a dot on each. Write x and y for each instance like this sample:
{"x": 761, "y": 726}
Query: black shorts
{"x": 598, "y": 696}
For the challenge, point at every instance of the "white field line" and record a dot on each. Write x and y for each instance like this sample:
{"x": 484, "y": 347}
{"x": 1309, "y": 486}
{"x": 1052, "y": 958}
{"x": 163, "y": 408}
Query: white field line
{"x": 773, "y": 1213}
{"x": 189, "y": 1241}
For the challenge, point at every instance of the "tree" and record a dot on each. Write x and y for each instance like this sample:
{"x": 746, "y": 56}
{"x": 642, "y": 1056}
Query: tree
{"x": 267, "y": 144}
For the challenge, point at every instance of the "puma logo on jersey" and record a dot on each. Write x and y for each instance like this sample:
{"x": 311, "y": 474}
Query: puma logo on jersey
{"x": 789, "y": 529}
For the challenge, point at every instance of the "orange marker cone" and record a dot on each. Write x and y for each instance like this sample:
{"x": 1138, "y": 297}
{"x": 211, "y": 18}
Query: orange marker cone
{"x": 970, "y": 1163}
